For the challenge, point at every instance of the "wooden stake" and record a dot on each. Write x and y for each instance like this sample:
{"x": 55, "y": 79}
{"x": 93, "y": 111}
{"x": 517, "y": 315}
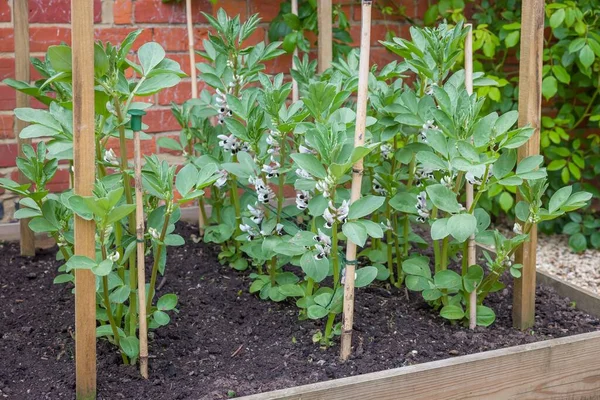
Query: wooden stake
{"x": 530, "y": 105}
{"x": 141, "y": 265}
{"x": 357, "y": 171}
{"x": 295, "y": 94}
{"x": 82, "y": 16}
{"x": 325, "y": 42}
{"x": 193, "y": 77}
{"x": 21, "y": 33}
{"x": 471, "y": 258}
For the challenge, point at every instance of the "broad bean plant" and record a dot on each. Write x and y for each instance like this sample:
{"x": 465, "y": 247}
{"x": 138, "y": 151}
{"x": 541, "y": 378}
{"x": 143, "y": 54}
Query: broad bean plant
{"x": 427, "y": 137}
{"x": 112, "y": 204}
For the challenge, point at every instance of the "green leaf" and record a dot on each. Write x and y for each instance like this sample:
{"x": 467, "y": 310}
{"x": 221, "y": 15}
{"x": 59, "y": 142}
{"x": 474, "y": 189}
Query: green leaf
{"x": 417, "y": 266}
{"x": 374, "y": 230}
{"x": 557, "y": 18}
{"x": 506, "y": 201}
{"x": 316, "y": 311}
{"x": 186, "y": 179}
{"x": 103, "y": 269}
{"x": 443, "y": 198}
{"x": 549, "y": 87}
{"x": 365, "y": 206}
{"x": 63, "y": 278}
{"x": 485, "y": 316}
{"x": 150, "y": 55}
{"x": 60, "y": 58}
{"x": 167, "y": 302}
{"x": 364, "y": 276}
{"x": 356, "y": 232}
{"x": 120, "y": 212}
{"x": 310, "y": 164}
{"x": 80, "y": 262}
{"x": 130, "y": 345}
{"x": 473, "y": 278}
{"x": 578, "y": 242}
{"x": 561, "y": 73}
{"x": 439, "y": 229}
{"x": 313, "y": 268}
{"x": 452, "y": 312}
{"x": 161, "y": 317}
{"x": 462, "y": 226}
{"x": 120, "y": 295}
{"x": 447, "y": 279}
{"x": 586, "y": 56}
{"x": 559, "y": 198}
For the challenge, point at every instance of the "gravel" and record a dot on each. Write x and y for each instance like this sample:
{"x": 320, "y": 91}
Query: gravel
{"x": 555, "y": 257}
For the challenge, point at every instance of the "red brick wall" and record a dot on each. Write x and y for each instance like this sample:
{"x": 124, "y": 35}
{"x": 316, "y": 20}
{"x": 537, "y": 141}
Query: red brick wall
{"x": 165, "y": 24}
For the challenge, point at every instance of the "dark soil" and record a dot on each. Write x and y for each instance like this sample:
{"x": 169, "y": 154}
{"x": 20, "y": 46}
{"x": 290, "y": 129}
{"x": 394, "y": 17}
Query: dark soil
{"x": 226, "y": 341}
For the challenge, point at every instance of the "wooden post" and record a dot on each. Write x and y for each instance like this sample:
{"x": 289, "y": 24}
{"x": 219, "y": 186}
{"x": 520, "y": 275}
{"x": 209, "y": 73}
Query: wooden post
{"x": 136, "y": 126}
{"x": 357, "y": 171}
{"x": 471, "y": 254}
{"x": 21, "y": 29}
{"x": 295, "y": 94}
{"x": 530, "y": 101}
{"x": 82, "y": 16}
{"x": 194, "y": 78}
{"x": 325, "y": 43}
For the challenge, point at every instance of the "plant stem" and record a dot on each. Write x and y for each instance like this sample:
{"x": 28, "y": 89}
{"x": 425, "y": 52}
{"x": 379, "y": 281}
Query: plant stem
{"x": 329, "y": 327}
{"x": 159, "y": 250}
{"x": 409, "y": 184}
{"x": 111, "y": 318}
{"x": 334, "y": 254}
{"x": 389, "y": 244}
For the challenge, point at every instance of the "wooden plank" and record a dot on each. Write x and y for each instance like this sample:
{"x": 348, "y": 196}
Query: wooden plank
{"x": 530, "y": 105}
{"x": 558, "y": 369}
{"x": 584, "y": 299}
{"x": 21, "y": 36}
{"x": 325, "y": 42}
{"x": 82, "y": 13}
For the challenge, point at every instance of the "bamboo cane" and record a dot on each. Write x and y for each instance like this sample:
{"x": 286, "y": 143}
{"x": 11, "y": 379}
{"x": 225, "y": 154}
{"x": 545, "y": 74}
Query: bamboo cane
{"x": 295, "y": 95}
{"x": 21, "y": 29}
{"x": 193, "y": 77}
{"x": 82, "y": 17}
{"x": 471, "y": 258}
{"x": 325, "y": 41}
{"x": 357, "y": 171}
{"x": 136, "y": 126}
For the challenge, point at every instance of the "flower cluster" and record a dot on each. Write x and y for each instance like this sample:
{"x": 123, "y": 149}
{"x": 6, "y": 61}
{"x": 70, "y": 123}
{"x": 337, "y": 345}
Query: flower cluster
{"x": 222, "y": 180}
{"x": 230, "y": 143}
{"x": 222, "y": 106}
{"x": 325, "y": 186}
{"x": 249, "y": 230}
{"x": 423, "y": 174}
{"x": 427, "y": 126}
{"x": 386, "y": 151}
{"x": 421, "y": 207}
{"x": 323, "y": 246}
{"x": 271, "y": 171}
{"x": 302, "y": 198}
{"x": 257, "y": 212}
{"x": 263, "y": 191}
{"x": 378, "y": 188}
{"x": 332, "y": 214}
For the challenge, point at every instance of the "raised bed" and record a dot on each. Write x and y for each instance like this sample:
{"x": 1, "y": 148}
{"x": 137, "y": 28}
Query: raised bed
{"x": 564, "y": 368}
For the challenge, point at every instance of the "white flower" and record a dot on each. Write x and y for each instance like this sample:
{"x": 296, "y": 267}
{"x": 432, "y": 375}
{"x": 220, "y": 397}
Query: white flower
{"x": 302, "y": 198}
{"x": 332, "y": 214}
{"x": 427, "y": 126}
{"x": 245, "y": 228}
{"x": 223, "y": 175}
{"x": 110, "y": 157}
{"x": 472, "y": 179}
{"x": 324, "y": 186}
{"x": 272, "y": 171}
{"x": 421, "y": 207}
{"x": 517, "y": 228}
{"x": 447, "y": 181}
{"x": 229, "y": 143}
{"x": 329, "y": 218}
{"x": 322, "y": 238}
{"x": 423, "y": 174}
{"x": 114, "y": 257}
{"x": 303, "y": 174}
{"x": 154, "y": 233}
{"x": 342, "y": 211}
{"x": 429, "y": 90}
{"x": 263, "y": 191}
{"x": 279, "y": 229}
{"x": 257, "y": 214}
{"x": 377, "y": 188}
{"x": 386, "y": 150}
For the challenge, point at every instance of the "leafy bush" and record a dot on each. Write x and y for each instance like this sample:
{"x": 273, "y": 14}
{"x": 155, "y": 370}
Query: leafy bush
{"x": 571, "y": 87}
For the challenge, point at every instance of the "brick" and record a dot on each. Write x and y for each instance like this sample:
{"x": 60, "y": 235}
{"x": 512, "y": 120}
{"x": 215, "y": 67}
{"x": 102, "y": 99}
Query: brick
{"x": 7, "y": 44}
{"x": 9, "y": 154}
{"x": 160, "y": 120}
{"x": 258, "y": 36}
{"x": 123, "y": 12}
{"x": 116, "y": 35}
{"x": 5, "y": 13}
{"x": 8, "y": 98}
{"x": 407, "y": 7}
{"x": 382, "y": 57}
{"x": 57, "y": 11}
{"x": 7, "y": 126}
{"x": 379, "y": 32}
{"x": 60, "y": 182}
{"x": 7, "y": 68}
{"x": 172, "y": 39}
{"x": 279, "y": 64}
{"x": 147, "y": 146}
{"x": 267, "y": 10}
{"x": 157, "y": 12}
{"x": 42, "y": 37}
{"x": 233, "y": 8}
{"x": 177, "y": 94}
